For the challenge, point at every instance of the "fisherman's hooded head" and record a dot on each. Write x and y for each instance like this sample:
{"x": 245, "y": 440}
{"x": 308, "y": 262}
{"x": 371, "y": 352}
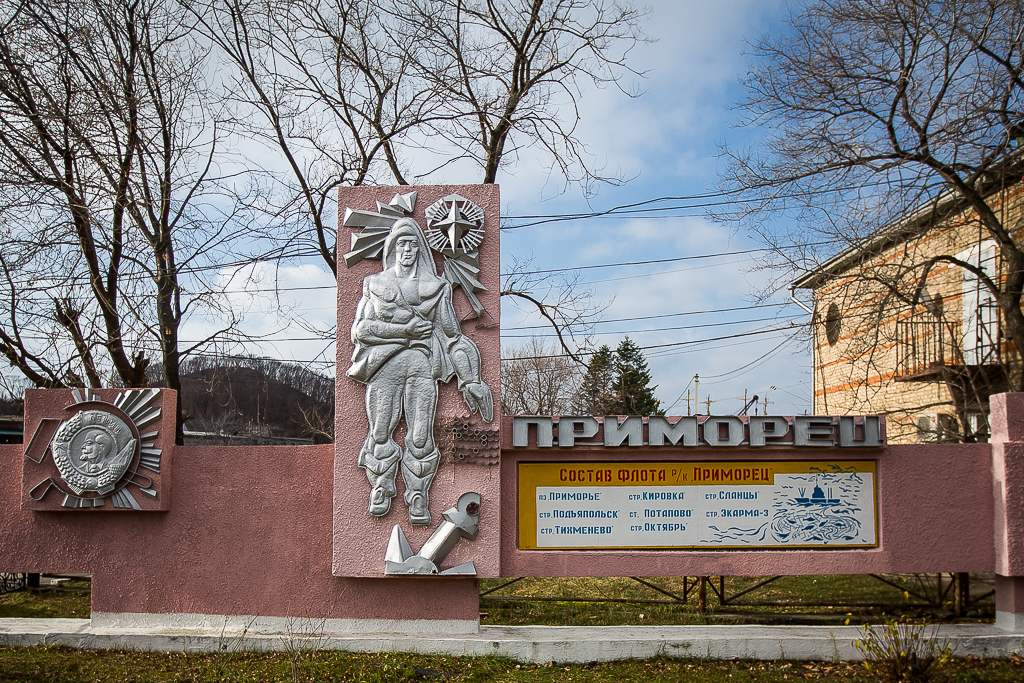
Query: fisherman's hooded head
{"x": 407, "y": 227}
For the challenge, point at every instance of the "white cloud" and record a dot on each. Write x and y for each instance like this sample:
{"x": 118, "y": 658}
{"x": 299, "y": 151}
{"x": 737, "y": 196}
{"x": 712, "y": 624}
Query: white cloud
{"x": 284, "y": 311}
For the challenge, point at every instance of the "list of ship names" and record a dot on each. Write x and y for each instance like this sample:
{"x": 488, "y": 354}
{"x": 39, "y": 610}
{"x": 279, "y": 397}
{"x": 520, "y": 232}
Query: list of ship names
{"x": 638, "y": 516}
{"x": 679, "y": 505}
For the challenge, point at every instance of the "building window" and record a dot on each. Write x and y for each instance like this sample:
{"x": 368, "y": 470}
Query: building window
{"x": 833, "y": 323}
{"x": 938, "y": 428}
{"x": 980, "y": 310}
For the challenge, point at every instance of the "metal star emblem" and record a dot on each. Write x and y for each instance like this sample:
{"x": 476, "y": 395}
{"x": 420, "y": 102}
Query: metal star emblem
{"x": 454, "y": 225}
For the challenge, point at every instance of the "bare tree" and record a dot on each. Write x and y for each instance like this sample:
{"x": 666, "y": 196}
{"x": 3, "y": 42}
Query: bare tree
{"x": 327, "y": 86}
{"x": 537, "y": 379}
{"x": 351, "y": 91}
{"x": 509, "y": 73}
{"x": 108, "y": 145}
{"x": 115, "y": 203}
{"x": 888, "y": 115}
{"x": 559, "y": 299}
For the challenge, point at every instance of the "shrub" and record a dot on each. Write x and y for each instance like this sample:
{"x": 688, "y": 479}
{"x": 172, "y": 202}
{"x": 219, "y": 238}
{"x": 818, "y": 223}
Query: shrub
{"x": 902, "y": 653}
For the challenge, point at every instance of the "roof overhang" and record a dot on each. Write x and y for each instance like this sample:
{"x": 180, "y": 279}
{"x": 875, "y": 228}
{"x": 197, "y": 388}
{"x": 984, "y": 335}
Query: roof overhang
{"x": 914, "y": 223}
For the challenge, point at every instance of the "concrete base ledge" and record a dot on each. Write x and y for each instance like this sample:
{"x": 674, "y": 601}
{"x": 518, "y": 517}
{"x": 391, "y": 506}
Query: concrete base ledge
{"x": 533, "y": 644}
{"x": 239, "y": 624}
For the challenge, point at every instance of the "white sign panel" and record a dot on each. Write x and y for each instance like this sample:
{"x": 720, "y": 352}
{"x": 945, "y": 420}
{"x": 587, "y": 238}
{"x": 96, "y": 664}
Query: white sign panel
{"x": 769, "y": 505}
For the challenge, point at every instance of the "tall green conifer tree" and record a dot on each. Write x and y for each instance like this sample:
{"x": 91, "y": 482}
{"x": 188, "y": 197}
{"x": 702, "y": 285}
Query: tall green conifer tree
{"x": 599, "y": 385}
{"x": 635, "y": 395}
{"x": 619, "y": 382}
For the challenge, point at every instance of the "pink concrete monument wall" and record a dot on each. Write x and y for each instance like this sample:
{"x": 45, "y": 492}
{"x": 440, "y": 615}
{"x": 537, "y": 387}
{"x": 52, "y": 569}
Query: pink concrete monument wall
{"x": 360, "y": 540}
{"x": 936, "y": 513}
{"x": 287, "y": 531}
{"x": 58, "y": 415}
{"x": 248, "y": 532}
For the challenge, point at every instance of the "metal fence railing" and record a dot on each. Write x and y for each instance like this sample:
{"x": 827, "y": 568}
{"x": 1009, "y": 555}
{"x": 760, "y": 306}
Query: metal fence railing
{"x": 10, "y": 583}
{"x": 925, "y": 343}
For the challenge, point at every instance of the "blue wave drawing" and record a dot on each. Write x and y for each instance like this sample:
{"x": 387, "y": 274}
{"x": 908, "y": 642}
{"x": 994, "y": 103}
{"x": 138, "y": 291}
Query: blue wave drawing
{"x": 814, "y": 526}
{"x": 734, "y": 535}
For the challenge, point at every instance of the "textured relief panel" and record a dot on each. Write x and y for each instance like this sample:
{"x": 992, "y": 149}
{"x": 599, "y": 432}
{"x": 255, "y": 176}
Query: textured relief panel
{"x": 418, "y": 348}
{"x": 407, "y": 340}
{"x": 96, "y": 450}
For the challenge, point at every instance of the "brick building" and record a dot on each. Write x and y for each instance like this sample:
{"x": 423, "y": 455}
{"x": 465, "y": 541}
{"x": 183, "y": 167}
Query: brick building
{"x": 927, "y": 356}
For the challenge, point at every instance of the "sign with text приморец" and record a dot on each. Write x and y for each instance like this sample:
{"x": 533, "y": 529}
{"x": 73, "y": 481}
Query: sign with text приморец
{"x": 706, "y": 505}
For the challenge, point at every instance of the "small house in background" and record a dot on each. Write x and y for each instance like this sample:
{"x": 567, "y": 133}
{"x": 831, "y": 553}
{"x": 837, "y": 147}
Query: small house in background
{"x": 242, "y": 435}
{"x": 899, "y": 328}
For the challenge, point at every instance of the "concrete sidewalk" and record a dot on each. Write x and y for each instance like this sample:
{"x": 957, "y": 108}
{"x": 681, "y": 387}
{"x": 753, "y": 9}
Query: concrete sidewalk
{"x": 535, "y": 644}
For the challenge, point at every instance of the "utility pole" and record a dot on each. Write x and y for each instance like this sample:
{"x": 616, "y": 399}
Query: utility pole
{"x": 687, "y": 401}
{"x": 766, "y": 402}
{"x": 751, "y": 402}
{"x": 696, "y": 388}
{"x": 709, "y": 402}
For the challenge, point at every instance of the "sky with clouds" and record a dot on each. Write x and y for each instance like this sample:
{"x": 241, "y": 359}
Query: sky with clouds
{"x": 667, "y": 141}
{"x": 700, "y": 315}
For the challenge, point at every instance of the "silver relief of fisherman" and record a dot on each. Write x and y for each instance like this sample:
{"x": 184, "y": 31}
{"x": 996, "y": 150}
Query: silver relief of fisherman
{"x": 407, "y": 339}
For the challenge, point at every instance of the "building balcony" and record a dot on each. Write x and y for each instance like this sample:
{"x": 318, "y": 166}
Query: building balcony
{"x": 931, "y": 349}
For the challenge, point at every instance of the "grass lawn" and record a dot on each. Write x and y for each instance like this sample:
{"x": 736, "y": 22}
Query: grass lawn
{"x": 878, "y": 601}
{"x": 70, "y": 601}
{"x": 813, "y": 599}
{"x": 47, "y": 664}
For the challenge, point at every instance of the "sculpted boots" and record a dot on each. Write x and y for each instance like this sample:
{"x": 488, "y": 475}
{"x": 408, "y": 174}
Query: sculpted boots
{"x": 418, "y": 473}
{"x": 380, "y": 462}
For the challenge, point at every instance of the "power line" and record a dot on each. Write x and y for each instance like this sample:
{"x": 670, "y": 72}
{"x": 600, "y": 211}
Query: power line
{"x": 758, "y": 359}
{"x": 633, "y": 263}
{"x": 667, "y": 345}
{"x": 663, "y": 315}
{"x": 665, "y": 260}
{"x": 631, "y": 210}
{"x": 664, "y": 353}
{"x": 241, "y": 265}
{"x": 656, "y": 329}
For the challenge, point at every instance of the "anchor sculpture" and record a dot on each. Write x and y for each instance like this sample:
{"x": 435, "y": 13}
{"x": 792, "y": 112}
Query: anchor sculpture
{"x": 459, "y": 522}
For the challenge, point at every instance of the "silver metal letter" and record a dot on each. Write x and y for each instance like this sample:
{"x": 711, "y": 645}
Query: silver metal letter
{"x": 712, "y": 434}
{"x": 630, "y": 430}
{"x": 567, "y": 432}
{"x": 521, "y": 431}
{"x": 872, "y": 431}
{"x": 771, "y": 426}
{"x": 682, "y": 433}
{"x": 811, "y": 430}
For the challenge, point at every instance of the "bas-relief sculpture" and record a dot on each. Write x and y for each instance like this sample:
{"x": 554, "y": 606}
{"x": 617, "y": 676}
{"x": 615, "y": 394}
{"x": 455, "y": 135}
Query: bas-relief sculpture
{"x": 92, "y": 451}
{"x": 407, "y": 338}
{"x": 98, "y": 450}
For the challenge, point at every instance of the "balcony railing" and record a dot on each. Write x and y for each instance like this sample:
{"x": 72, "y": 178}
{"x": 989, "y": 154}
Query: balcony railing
{"x": 925, "y": 344}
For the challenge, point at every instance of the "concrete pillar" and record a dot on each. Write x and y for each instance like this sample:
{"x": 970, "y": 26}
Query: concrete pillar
{"x": 1007, "y": 418}
{"x": 1010, "y": 603}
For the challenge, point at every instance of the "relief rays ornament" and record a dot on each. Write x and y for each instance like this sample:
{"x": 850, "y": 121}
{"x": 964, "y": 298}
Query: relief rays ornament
{"x": 455, "y": 229}
{"x": 100, "y": 448}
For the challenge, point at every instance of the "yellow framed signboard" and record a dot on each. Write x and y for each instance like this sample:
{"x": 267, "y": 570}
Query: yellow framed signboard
{"x": 668, "y": 505}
